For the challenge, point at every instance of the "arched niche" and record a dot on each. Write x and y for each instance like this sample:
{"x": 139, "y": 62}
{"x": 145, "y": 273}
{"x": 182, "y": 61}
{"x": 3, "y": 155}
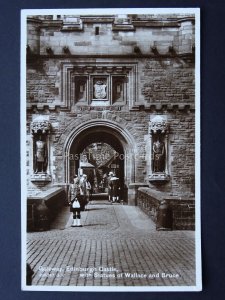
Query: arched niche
{"x": 158, "y": 132}
{"x": 40, "y": 129}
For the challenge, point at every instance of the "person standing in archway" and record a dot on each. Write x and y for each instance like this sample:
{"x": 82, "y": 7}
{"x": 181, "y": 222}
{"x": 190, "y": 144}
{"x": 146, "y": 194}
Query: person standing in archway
{"x": 85, "y": 188}
{"x": 110, "y": 186}
{"x": 74, "y": 188}
{"x": 75, "y": 201}
{"x": 115, "y": 188}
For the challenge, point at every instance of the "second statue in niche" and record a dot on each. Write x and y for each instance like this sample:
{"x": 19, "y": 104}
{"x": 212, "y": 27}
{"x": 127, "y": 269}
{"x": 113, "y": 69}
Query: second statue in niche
{"x": 40, "y": 155}
{"x": 158, "y": 149}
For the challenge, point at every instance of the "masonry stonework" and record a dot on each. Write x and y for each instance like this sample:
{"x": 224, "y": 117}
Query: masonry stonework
{"x": 148, "y": 65}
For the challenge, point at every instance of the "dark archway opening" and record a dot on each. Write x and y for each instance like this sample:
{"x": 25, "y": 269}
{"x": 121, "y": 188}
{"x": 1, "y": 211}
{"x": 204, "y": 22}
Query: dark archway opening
{"x": 110, "y": 151}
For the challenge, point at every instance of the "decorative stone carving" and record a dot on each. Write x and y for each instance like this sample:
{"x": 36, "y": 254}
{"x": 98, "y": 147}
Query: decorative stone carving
{"x": 158, "y": 123}
{"x": 100, "y": 90}
{"x": 158, "y": 129}
{"x": 40, "y": 125}
{"x": 71, "y": 23}
{"x": 158, "y": 151}
{"x": 104, "y": 95}
{"x": 40, "y": 154}
{"x": 119, "y": 88}
{"x": 102, "y": 69}
{"x": 41, "y": 179}
{"x": 40, "y": 128}
{"x": 123, "y": 23}
{"x": 80, "y": 88}
{"x": 158, "y": 177}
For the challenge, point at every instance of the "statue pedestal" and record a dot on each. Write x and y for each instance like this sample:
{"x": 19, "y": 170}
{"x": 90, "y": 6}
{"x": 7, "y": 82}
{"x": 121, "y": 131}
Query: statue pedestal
{"x": 159, "y": 176}
{"x": 41, "y": 179}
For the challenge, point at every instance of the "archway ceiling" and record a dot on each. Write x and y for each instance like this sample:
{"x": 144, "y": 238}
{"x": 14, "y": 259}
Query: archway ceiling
{"x": 96, "y": 135}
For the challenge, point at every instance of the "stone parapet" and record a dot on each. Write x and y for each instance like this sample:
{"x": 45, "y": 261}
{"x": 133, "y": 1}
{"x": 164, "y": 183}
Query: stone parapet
{"x": 183, "y": 209}
{"x": 43, "y": 207}
{"x": 132, "y": 192}
{"x": 163, "y": 33}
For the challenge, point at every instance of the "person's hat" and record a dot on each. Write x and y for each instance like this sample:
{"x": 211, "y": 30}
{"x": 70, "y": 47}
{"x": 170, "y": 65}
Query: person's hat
{"x": 110, "y": 173}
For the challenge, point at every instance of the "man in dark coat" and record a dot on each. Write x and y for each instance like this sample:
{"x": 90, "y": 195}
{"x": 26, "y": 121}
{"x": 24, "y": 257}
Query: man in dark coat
{"x": 114, "y": 188}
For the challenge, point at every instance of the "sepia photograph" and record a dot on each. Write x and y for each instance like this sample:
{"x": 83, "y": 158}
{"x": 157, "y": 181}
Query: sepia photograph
{"x": 110, "y": 149}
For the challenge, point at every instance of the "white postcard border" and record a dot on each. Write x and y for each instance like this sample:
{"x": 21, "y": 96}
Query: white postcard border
{"x": 24, "y": 14}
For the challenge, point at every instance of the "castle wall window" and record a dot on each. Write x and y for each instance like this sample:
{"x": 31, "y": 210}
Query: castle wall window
{"x": 96, "y": 30}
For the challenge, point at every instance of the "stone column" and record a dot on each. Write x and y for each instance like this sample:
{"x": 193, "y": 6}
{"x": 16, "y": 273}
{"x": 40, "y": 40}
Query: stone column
{"x": 132, "y": 192}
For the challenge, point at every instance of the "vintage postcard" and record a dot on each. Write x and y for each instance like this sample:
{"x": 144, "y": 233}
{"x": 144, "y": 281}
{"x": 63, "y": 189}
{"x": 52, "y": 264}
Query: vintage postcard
{"x": 110, "y": 150}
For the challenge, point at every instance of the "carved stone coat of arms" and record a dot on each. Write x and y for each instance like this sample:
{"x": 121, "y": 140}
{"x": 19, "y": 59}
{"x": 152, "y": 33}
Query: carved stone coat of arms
{"x": 100, "y": 90}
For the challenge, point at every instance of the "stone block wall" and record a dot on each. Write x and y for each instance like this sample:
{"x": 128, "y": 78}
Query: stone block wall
{"x": 160, "y": 82}
{"x": 181, "y": 145}
{"x": 186, "y": 38}
{"x": 33, "y": 36}
{"x": 114, "y": 37}
{"x": 183, "y": 213}
{"x": 165, "y": 86}
{"x": 43, "y": 82}
{"x": 167, "y": 82}
{"x": 182, "y": 152}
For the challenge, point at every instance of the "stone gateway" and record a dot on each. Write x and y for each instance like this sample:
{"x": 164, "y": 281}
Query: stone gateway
{"x": 116, "y": 93}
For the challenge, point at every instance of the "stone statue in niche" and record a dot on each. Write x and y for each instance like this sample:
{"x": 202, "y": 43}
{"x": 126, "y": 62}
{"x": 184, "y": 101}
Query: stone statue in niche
{"x": 40, "y": 155}
{"x": 158, "y": 149}
{"x": 100, "y": 90}
{"x": 117, "y": 90}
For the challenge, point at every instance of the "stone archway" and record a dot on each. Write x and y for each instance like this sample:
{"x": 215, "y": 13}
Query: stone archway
{"x": 106, "y": 131}
{"x": 124, "y": 132}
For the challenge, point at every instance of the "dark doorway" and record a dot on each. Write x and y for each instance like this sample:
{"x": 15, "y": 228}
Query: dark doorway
{"x": 97, "y": 152}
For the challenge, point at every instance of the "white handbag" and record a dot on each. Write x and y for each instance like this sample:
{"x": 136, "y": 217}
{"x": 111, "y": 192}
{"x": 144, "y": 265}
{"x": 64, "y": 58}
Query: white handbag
{"x": 76, "y": 204}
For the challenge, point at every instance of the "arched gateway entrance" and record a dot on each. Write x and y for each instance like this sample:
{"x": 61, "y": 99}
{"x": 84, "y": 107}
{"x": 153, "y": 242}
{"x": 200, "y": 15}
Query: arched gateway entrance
{"x": 107, "y": 132}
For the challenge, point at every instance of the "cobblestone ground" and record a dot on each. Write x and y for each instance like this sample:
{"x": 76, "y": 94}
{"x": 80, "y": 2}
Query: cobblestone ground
{"x": 117, "y": 246}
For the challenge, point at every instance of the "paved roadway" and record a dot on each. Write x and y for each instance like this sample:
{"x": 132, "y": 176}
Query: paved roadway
{"x": 117, "y": 246}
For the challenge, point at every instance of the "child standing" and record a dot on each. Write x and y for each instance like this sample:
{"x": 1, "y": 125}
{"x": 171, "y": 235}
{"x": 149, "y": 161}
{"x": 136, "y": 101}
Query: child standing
{"x": 75, "y": 208}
